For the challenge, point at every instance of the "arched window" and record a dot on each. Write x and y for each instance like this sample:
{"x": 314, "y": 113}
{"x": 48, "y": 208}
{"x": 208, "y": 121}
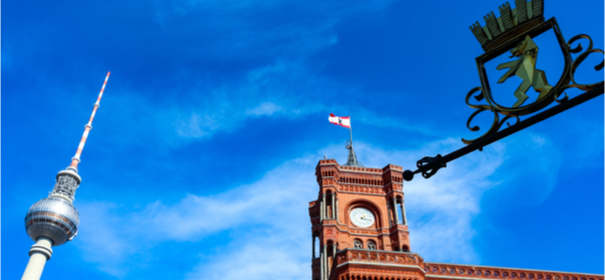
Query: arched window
{"x": 371, "y": 245}
{"x": 357, "y": 244}
{"x": 405, "y": 248}
{"x": 316, "y": 247}
{"x": 329, "y": 206}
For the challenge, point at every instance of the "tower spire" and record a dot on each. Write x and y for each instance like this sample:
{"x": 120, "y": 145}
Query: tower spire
{"x": 76, "y": 159}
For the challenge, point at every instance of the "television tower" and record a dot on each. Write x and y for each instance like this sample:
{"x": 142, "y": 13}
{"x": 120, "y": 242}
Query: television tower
{"x": 54, "y": 220}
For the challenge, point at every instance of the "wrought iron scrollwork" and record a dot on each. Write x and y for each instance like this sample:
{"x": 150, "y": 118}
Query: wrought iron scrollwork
{"x": 479, "y": 109}
{"x": 581, "y": 57}
{"x": 502, "y": 35}
{"x": 556, "y": 94}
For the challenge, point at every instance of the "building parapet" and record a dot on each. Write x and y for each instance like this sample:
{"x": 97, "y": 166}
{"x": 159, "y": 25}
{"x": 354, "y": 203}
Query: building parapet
{"x": 378, "y": 257}
{"x": 460, "y": 272}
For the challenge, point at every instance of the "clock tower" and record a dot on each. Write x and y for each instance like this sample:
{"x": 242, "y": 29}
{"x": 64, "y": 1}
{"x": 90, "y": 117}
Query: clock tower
{"x": 359, "y": 223}
{"x": 360, "y": 232}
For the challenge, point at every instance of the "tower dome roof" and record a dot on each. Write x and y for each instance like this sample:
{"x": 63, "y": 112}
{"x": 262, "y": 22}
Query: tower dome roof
{"x": 52, "y": 217}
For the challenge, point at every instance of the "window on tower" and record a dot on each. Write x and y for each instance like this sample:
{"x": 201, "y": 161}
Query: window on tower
{"x": 371, "y": 245}
{"x": 357, "y": 244}
{"x": 316, "y": 245}
{"x": 329, "y": 206}
{"x": 399, "y": 208}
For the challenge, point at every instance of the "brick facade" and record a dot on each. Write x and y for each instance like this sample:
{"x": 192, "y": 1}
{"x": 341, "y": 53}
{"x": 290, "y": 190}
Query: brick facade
{"x": 382, "y": 251}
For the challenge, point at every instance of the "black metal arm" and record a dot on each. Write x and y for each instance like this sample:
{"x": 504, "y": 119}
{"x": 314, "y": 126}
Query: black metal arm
{"x": 429, "y": 166}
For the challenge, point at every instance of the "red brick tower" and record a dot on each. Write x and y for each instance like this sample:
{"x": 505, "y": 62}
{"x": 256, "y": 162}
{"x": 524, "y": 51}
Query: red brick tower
{"x": 359, "y": 221}
{"x": 360, "y": 232}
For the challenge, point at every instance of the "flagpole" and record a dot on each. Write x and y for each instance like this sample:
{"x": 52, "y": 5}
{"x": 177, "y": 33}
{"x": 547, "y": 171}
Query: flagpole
{"x": 346, "y": 122}
{"x": 352, "y": 160}
{"x": 350, "y": 132}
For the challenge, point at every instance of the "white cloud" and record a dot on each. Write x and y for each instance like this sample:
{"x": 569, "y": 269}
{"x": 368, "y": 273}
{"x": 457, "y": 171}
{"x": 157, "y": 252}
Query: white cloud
{"x": 276, "y": 202}
{"x": 440, "y": 210}
{"x": 196, "y": 125}
{"x": 104, "y": 238}
{"x": 265, "y": 91}
{"x": 266, "y": 222}
{"x": 537, "y": 161}
{"x": 271, "y": 221}
{"x": 249, "y": 30}
{"x": 281, "y": 89}
{"x": 280, "y": 255}
{"x": 266, "y": 108}
{"x": 275, "y": 89}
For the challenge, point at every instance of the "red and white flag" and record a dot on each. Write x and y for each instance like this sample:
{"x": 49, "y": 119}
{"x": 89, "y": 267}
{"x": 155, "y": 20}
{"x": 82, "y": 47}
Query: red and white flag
{"x": 342, "y": 121}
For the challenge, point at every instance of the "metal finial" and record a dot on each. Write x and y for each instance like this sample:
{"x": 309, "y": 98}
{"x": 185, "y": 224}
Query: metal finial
{"x": 352, "y": 158}
{"x": 76, "y": 159}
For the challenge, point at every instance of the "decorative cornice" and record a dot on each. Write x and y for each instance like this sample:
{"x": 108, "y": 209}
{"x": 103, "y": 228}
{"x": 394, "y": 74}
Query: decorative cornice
{"x": 467, "y": 272}
{"x": 379, "y": 257}
{"x": 390, "y": 167}
{"x": 381, "y": 264}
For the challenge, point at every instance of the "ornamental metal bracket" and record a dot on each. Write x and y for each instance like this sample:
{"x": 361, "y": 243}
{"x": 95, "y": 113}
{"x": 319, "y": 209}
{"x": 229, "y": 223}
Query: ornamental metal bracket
{"x": 513, "y": 32}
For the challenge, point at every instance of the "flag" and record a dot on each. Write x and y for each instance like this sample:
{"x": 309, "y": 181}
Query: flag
{"x": 342, "y": 121}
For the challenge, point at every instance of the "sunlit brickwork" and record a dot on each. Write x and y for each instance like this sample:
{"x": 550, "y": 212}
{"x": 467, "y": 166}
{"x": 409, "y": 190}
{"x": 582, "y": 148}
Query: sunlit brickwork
{"x": 372, "y": 243}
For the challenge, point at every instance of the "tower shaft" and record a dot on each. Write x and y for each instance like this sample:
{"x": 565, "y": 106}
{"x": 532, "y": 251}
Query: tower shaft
{"x": 39, "y": 254}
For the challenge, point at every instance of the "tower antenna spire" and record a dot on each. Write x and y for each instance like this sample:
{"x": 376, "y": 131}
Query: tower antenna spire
{"x": 76, "y": 159}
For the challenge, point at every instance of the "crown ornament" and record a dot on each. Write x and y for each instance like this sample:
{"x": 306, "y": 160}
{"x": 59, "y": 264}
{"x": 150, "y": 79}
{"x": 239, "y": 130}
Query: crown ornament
{"x": 511, "y": 23}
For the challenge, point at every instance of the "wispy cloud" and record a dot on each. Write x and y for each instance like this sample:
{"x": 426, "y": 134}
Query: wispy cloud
{"x": 249, "y": 30}
{"x": 273, "y": 212}
{"x": 266, "y": 108}
{"x": 282, "y": 89}
{"x": 276, "y": 203}
{"x": 440, "y": 210}
{"x": 269, "y": 41}
{"x": 104, "y": 238}
{"x": 537, "y": 159}
{"x": 278, "y": 88}
{"x": 275, "y": 254}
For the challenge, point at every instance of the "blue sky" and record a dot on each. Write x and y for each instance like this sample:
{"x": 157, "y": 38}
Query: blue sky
{"x": 201, "y": 161}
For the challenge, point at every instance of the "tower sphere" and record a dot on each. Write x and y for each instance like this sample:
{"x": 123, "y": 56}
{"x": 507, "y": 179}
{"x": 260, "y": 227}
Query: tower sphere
{"x": 53, "y": 217}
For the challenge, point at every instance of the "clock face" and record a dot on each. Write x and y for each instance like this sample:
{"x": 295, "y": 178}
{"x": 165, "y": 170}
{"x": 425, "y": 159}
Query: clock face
{"x": 362, "y": 217}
